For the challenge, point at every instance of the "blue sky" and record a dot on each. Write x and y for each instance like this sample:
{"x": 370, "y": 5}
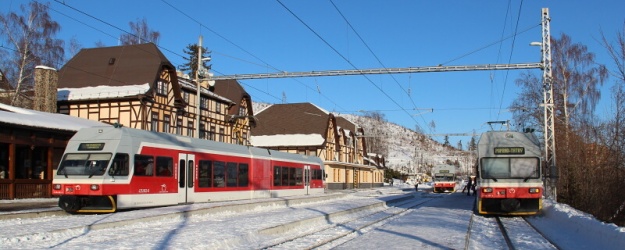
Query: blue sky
{"x": 264, "y": 37}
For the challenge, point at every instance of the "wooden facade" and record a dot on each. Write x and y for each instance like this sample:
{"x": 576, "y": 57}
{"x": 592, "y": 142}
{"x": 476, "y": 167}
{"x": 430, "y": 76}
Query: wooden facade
{"x": 31, "y": 146}
{"x": 306, "y": 129}
{"x": 139, "y": 88}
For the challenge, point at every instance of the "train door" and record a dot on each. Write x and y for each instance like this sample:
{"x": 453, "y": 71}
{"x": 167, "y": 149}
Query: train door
{"x": 186, "y": 164}
{"x": 307, "y": 178}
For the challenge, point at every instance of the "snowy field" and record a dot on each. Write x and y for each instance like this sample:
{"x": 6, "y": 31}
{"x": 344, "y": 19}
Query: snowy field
{"x": 441, "y": 223}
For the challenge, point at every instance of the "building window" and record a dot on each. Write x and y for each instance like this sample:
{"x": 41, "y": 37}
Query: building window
{"x": 242, "y": 111}
{"x": 212, "y": 133}
{"x": 154, "y": 122}
{"x": 218, "y": 107}
{"x": 166, "y": 123}
{"x": 161, "y": 87}
{"x": 190, "y": 128}
{"x": 203, "y": 103}
{"x": 244, "y": 141}
{"x": 202, "y": 131}
{"x": 221, "y": 135}
{"x": 179, "y": 125}
{"x": 185, "y": 96}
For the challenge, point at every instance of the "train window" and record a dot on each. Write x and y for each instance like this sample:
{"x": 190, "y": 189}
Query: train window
{"x": 243, "y": 175}
{"x": 524, "y": 168}
{"x": 277, "y": 176}
{"x": 292, "y": 176}
{"x": 299, "y": 176}
{"x": 231, "y": 169}
{"x": 190, "y": 174}
{"x": 285, "y": 176}
{"x": 219, "y": 171}
{"x": 120, "y": 165}
{"x": 319, "y": 175}
{"x": 164, "y": 166}
{"x": 495, "y": 168}
{"x": 206, "y": 174}
{"x": 181, "y": 176}
{"x": 144, "y": 165}
{"x": 84, "y": 164}
{"x": 510, "y": 168}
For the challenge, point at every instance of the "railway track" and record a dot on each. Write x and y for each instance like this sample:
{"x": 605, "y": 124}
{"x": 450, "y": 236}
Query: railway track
{"x": 522, "y": 235}
{"x": 343, "y": 229}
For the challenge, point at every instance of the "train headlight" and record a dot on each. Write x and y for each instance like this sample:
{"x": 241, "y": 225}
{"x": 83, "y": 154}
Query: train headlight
{"x": 95, "y": 187}
{"x": 534, "y": 190}
{"x": 487, "y": 190}
{"x": 57, "y": 187}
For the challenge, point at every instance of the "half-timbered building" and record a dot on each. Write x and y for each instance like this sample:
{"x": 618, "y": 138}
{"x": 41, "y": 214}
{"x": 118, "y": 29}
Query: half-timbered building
{"x": 136, "y": 86}
{"x": 304, "y": 128}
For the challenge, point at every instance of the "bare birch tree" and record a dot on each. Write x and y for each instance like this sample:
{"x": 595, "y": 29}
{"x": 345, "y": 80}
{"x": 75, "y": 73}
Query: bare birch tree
{"x": 140, "y": 33}
{"x": 29, "y": 38}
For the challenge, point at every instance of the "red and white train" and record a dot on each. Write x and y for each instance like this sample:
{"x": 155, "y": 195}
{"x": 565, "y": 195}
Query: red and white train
{"x": 509, "y": 174}
{"x": 105, "y": 169}
{"x": 444, "y": 178}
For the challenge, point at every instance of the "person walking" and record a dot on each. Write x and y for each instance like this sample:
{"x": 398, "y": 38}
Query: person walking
{"x": 469, "y": 186}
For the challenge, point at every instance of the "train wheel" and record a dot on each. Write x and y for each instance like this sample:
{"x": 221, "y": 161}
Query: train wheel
{"x": 70, "y": 204}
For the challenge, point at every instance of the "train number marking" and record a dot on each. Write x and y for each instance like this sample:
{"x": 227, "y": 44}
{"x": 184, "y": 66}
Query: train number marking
{"x": 144, "y": 190}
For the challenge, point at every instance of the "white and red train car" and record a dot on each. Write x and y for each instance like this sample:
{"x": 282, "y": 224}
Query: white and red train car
{"x": 509, "y": 174}
{"x": 105, "y": 169}
{"x": 444, "y": 178}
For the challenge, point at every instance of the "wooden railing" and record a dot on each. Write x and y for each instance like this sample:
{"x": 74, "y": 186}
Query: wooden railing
{"x": 25, "y": 189}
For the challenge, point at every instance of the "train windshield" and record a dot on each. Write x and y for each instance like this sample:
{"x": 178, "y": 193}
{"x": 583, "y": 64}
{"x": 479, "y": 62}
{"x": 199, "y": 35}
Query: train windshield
{"x": 510, "y": 168}
{"x": 443, "y": 177}
{"x": 84, "y": 164}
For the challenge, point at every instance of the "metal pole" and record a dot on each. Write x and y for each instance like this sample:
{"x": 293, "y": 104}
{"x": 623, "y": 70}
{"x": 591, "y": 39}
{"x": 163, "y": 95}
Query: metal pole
{"x": 550, "y": 140}
{"x": 199, "y": 87}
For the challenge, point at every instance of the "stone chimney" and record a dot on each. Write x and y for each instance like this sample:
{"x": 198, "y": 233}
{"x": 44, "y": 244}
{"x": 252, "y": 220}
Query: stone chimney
{"x": 46, "y": 84}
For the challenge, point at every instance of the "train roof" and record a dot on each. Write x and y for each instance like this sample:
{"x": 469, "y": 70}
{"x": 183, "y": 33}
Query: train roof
{"x": 502, "y": 139}
{"x": 175, "y": 141}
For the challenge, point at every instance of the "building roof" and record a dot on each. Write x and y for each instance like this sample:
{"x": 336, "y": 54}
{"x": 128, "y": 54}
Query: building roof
{"x": 37, "y": 119}
{"x": 295, "y": 118}
{"x": 233, "y": 90}
{"x": 114, "y": 66}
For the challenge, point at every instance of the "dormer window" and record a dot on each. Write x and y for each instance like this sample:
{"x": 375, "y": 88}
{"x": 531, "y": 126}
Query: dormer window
{"x": 161, "y": 87}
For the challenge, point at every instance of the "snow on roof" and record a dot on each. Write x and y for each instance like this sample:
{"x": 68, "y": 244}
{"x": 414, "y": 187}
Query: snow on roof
{"x": 32, "y": 118}
{"x": 287, "y": 140}
{"x": 101, "y": 92}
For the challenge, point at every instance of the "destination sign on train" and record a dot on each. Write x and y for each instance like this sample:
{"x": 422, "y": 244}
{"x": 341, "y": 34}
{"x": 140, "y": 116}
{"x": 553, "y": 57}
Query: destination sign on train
{"x": 509, "y": 150}
{"x": 90, "y": 146}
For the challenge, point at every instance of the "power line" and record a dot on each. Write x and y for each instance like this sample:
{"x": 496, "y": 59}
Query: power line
{"x": 341, "y": 55}
{"x": 266, "y": 64}
{"x": 111, "y": 25}
{"x": 374, "y": 55}
{"x": 510, "y": 59}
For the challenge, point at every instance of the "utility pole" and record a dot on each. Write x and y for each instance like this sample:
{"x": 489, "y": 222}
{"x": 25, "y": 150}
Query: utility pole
{"x": 199, "y": 87}
{"x": 551, "y": 174}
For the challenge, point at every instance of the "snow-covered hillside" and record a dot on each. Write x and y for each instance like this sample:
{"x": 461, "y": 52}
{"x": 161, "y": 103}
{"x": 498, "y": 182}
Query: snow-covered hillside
{"x": 407, "y": 149}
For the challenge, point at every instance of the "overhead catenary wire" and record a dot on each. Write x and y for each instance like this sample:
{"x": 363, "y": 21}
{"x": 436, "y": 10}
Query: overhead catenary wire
{"x": 342, "y": 56}
{"x": 374, "y": 55}
{"x": 510, "y": 58}
{"x": 266, "y": 64}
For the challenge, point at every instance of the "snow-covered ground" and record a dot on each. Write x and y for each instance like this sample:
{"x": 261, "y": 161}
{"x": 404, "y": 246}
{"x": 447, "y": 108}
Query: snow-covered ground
{"x": 442, "y": 222}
